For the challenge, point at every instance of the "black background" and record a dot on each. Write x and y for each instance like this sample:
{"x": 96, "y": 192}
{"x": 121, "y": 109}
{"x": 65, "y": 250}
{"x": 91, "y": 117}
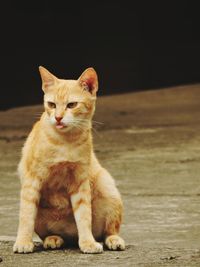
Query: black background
{"x": 133, "y": 45}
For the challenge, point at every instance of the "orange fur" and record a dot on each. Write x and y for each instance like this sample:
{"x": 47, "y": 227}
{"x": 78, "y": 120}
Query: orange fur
{"x": 65, "y": 192}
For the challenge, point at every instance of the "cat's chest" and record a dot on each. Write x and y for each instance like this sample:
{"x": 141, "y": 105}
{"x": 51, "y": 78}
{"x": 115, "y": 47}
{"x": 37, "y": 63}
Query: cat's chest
{"x": 55, "y": 190}
{"x": 64, "y": 153}
{"x": 61, "y": 175}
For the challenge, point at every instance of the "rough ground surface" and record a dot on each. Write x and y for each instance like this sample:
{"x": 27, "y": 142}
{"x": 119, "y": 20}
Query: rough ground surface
{"x": 150, "y": 142}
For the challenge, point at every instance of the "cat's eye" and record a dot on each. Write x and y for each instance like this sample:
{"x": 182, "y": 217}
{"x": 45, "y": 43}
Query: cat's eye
{"x": 72, "y": 104}
{"x": 51, "y": 104}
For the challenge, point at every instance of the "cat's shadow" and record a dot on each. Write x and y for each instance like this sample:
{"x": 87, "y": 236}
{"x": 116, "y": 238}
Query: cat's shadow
{"x": 39, "y": 248}
{"x": 72, "y": 247}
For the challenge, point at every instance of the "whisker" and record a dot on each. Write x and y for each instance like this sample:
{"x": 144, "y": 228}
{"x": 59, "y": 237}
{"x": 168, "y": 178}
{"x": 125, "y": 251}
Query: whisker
{"x": 86, "y": 120}
{"x": 95, "y": 132}
{"x": 78, "y": 127}
{"x": 98, "y": 122}
{"x": 83, "y": 124}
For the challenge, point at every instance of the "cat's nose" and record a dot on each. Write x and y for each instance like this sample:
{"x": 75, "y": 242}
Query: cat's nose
{"x": 58, "y": 119}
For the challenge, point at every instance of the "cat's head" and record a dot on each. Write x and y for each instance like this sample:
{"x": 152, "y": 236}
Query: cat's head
{"x": 69, "y": 103}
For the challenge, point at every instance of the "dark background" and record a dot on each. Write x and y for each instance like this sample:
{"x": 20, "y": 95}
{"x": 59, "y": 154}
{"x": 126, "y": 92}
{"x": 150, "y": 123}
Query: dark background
{"x": 133, "y": 45}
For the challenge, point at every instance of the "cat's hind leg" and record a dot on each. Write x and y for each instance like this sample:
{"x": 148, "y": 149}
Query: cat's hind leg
{"x": 107, "y": 209}
{"x": 112, "y": 239}
{"x": 53, "y": 242}
{"x": 50, "y": 240}
{"x": 114, "y": 242}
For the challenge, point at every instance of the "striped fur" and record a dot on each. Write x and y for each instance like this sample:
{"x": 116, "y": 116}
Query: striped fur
{"x": 66, "y": 195}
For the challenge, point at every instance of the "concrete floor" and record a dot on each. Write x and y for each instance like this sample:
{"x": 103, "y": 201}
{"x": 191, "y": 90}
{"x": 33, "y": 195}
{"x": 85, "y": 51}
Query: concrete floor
{"x": 150, "y": 142}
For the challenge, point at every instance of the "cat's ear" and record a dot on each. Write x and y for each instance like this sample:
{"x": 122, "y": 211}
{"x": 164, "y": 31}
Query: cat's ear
{"x": 89, "y": 81}
{"x": 48, "y": 79}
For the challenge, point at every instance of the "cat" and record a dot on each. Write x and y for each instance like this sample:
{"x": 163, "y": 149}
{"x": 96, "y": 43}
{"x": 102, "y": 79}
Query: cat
{"x": 66, "y": 195}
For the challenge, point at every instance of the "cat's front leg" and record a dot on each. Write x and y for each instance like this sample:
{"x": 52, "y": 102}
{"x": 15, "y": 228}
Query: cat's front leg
{"x": 29, "y": 200}
{"x": 81, "y": 204}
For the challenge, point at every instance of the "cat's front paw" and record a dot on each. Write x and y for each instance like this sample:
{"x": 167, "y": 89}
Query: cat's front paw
{"x": 89, "y": 246}
{"x": 23, "y": 247}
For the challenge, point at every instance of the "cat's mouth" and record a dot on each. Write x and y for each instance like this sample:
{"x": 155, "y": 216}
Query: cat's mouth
{"x": 60, "y": 125}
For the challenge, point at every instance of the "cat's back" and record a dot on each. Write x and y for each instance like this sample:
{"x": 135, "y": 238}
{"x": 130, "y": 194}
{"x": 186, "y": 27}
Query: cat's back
{"x": 32, "y": 140}
{"x": 31, "y": 150}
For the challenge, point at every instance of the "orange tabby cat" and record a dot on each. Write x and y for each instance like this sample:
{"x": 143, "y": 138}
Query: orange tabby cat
{"x": 66, "y": 195}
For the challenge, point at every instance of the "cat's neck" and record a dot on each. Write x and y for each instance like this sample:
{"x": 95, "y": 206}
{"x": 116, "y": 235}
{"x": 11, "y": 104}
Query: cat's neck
{"x": 72, "y": 135}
